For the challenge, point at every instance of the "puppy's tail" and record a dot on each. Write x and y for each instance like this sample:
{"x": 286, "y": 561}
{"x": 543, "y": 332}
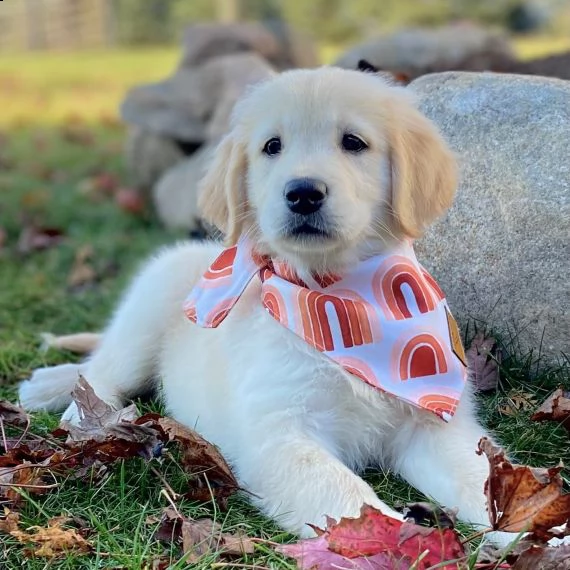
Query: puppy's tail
{"x": 49, "y": 389}
{"x": 81, "y": 343}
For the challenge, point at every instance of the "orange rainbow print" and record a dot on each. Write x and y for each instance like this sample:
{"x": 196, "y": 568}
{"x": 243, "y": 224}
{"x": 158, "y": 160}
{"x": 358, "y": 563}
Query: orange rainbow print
{"x": 360, "y": 369}
{"x": 273, "y": 301}
{"x": 433, "y": 284}
{"x": 439, "y": 403}
{"x": 220, "y": 312}
{"x": 388, "y": 283}
{"x": 223, "y": 266}
{"x": 421, "y": 356}
{"x": 353, "y": 322}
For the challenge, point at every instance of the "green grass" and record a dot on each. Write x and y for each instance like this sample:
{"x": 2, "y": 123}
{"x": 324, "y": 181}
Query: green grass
{"x": 41, "y": 177}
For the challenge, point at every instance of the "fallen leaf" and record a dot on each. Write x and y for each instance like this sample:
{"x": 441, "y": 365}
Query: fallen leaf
{"x": 544, "y": 558}
{"x": 518, "y": 402}
{"x": 52, "y": 541}
{"x": 130, "y": 200}
{"x": 96, "y": 415}
{"x": 313, "y": 554}
{"x": 522, "y": 498}
{"x": 100, "y": 185}
{"x": 555, "y": 408}
{"x": 483, "y": 360}
{"x": 200, "y": 537}
{"x": 11, "y": 414}
{"x": 199, "y": 457}
{"x": 82, "y": 272}
{"x": 9, "y": 522}
{"x": 35, "y": 238}
{"x": 76, "y": 133}
{"x": 104, "y": 436}
{"x": 374, "y": 534}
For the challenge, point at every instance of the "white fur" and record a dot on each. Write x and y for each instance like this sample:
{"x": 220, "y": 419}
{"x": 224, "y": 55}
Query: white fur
{"x": 295, "y": 427}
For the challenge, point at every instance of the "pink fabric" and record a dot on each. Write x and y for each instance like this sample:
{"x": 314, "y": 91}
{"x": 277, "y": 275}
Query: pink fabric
{"x": 386, "y": 322}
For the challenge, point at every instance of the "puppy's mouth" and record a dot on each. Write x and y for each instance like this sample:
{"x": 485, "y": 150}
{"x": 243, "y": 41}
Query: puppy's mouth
{"x": 307, "y": 230}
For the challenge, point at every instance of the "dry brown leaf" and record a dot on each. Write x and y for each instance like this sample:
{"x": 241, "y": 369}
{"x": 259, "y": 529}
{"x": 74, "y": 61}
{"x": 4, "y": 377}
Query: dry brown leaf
{"x": 483, "y": 359}
{"x": 53, "y": 540}
{"x": 34, "y": 238}
{"x": 77, "y": 134}
{"x": 11, "y": 414}
{"x": 544, "y": 558}
{"x": 200, "y": 457}
{"x": 522, "y": 498}
{"x": 9, "y": 522}
{"x": 200, "y": 537}
{"x": 25, "y": 476}
{"x": 97, "y": 417}
{"x": 103, "y": 437}
{"x": 82, "y": 272}
{"x": 518, "y": 402}
{"x": 555, "y": 408}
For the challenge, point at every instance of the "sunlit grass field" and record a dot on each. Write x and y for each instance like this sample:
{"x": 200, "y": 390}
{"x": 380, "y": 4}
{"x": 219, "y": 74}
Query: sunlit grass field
{"x": 47, "y": 88}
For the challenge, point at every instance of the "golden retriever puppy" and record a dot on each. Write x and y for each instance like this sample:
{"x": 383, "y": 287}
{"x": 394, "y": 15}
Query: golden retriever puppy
{"x": 324, "y": 175}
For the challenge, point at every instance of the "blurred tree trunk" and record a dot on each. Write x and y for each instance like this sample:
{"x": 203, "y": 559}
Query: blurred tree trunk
{"x": 228, "y": 10}
{"x": 36, "y": 38}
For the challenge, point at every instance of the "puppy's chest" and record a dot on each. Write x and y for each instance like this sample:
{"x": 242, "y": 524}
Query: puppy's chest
{"x": 280, "y": 370}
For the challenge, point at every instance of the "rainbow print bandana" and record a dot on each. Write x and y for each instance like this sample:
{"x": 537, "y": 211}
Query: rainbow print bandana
{"x": 386, "y": 322}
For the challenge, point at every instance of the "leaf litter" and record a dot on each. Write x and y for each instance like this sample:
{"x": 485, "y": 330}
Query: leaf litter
{"x": 483, "y": 362}
{"x": 519, "y": 498}
{"x": 555, "y": 408}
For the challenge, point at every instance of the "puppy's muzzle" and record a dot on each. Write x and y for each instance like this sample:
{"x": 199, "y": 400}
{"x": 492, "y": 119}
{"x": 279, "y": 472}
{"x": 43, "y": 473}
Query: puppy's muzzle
{"x": 305, "y": 196}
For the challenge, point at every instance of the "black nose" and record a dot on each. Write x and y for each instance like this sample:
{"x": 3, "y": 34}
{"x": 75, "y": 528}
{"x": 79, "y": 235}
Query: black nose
{"x": 305, "y": 195}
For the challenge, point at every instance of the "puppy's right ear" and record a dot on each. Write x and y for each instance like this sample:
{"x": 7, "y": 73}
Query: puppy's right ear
{"x": 222, "y": 198}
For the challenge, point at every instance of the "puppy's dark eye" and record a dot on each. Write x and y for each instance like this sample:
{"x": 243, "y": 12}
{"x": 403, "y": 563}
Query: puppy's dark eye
{"x": 272, "y": 146}
{"x": 352, "y": 143}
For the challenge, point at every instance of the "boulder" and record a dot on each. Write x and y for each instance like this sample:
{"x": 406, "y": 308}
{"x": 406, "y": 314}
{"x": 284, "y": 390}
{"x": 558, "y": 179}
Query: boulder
{"x": 148, "y": 155}
{"x": 274, "y": 41}
{"x": 175, "y": 194}
{"x": 502, "y": 253}
{"x": 417, "y": 51}
{"x": 171, "y": 120}
{"x": 181, "y": 106}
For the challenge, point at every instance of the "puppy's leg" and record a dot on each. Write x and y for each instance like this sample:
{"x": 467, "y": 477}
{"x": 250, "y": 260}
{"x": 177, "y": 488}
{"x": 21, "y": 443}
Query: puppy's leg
{"x": 126, "y": 357}
{"x": 49, "y": 388}
{"x": 440, "y": 460}
{"x": 296, "y": 481}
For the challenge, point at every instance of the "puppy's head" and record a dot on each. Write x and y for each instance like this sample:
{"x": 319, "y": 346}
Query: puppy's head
{"x": 324, "y": 166}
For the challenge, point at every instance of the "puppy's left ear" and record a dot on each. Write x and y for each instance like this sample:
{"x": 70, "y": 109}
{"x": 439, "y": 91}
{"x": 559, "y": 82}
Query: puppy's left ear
{"x": 222, "y": 198}
{"x": 424, "y": 171}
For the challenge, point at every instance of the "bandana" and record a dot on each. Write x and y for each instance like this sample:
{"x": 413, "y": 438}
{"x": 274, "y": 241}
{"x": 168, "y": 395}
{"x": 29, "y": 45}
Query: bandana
{"x": 386, "y": 321}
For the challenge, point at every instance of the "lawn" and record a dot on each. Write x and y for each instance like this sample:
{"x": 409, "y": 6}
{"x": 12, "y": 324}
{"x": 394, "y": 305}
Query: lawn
{"x": 58, "y": 131}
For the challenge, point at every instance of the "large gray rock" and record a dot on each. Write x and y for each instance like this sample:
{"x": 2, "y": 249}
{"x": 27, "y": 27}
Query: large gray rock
{"x": 417, "y": 51}
{"x": 502, "y": 254}
{"x": 181, "y": 106}
{"x": 275, "y": 41}
{"x": 148, "y": 155}
{"x": 175, "y": 195}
